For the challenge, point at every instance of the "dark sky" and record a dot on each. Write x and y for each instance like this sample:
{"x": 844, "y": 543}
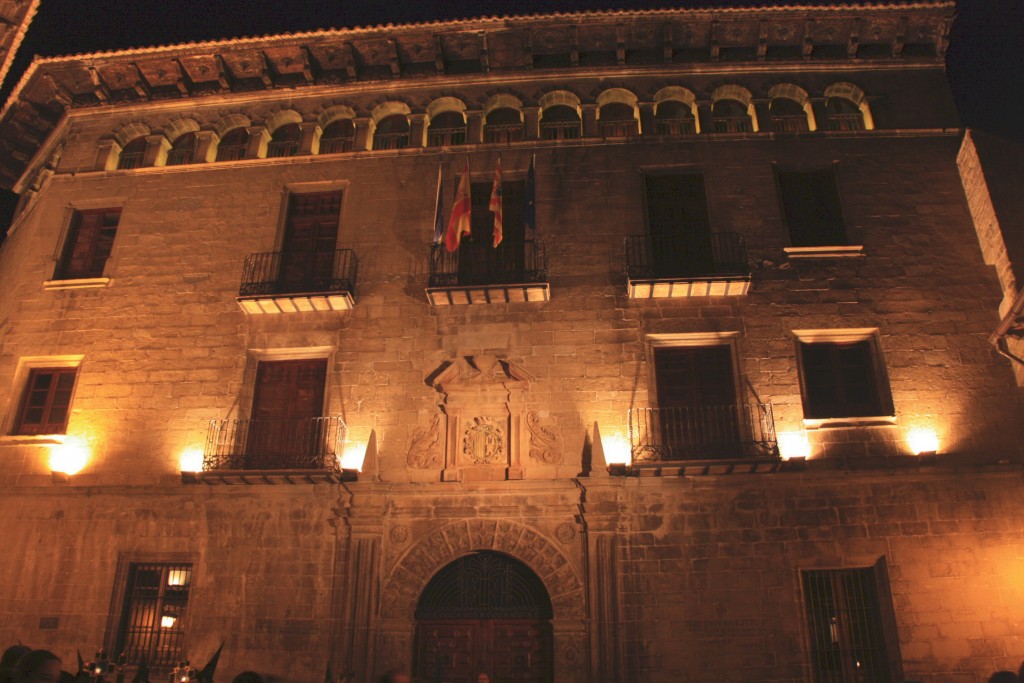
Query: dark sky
{"x": 986, "y": 57}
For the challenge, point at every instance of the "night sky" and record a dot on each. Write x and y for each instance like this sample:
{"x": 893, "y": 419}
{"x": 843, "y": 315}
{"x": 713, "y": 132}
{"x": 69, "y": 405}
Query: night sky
{"x": 985, "y": 59}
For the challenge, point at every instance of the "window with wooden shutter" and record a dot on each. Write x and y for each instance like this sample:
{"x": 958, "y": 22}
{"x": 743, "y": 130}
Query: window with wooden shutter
{"x": 90, "y": 241}
{"x": 843, "y": 379}
{"x": 810, "y": 204}
{"x": 46, "y": 401}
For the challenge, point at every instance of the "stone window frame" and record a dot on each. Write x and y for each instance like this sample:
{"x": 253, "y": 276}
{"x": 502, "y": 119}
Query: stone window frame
{"x": 880, "y": 372}
{"x": 852, "y": 248}
{"x": 255, "y": 356}
{"x": 16, "y": 394}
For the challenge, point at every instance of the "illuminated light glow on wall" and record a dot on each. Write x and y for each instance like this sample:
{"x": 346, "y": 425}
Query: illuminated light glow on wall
{"x": 191, "y": 459}
{"x": 922, "y": 440}
{"x": 794, "y": 445}
{"x": 70, "y": 456}
{"x": 616, "y": 450}
{"x": 353, "y": 455}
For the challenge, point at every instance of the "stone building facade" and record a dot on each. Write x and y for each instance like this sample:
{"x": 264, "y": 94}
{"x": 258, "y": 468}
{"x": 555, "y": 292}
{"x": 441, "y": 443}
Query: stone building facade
{"x": 721, "y": 406}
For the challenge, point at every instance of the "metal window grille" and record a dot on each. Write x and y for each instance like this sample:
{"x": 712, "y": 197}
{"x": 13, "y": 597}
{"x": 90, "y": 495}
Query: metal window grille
{"x": 153, "y": 620}
{"x": 844, "y": 614}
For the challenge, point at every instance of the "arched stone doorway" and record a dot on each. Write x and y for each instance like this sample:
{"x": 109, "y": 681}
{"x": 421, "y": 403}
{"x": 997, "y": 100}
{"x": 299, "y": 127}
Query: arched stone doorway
{"x": 484, "y": 613}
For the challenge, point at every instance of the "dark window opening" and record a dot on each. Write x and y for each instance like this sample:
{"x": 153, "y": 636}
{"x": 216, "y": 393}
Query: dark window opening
{"x": 787, "y": 116}
{"x": 233, "y": 145}
{"x": 46, "y": 403}
{"x": 617, "y": 120}
{"x": 183, "y": 151}
{"x": 731, "y": 116}
{"x": 285, "y": 141}
{"x": 132, "y": 154}
{"x": 338, "y": 137}
{"x": 843, "y": 114}
{"x": 155, "y": 608}
{"x": 447, "y": 129}
{"x": 851, "y": 625}
{"x": 843, "y": 379}
{"x": 811, "y": 206}
{"x": 392, "y": 133}
{"x": 89, "y": 243}
{"x": 503, "y": 125}
{"x": 674, "y": 118}
{"x": 560, "y": 122}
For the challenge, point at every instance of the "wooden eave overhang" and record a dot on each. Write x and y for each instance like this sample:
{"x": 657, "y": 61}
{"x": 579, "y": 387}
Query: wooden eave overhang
{"x": 53, "y": 85}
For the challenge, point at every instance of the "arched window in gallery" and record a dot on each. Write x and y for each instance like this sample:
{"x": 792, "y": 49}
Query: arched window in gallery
{"x": 674, "y": 118}
{"x": 787, "y": 116}
{"x": 233, "y": 145}
{"x": 617, "y": 120}
{"x": 284, "y": 142}
{"x": 447, "y": 129}
{"x": 392, "y": 132}
{"x": 338, "y": 137}
{"x": 183, "y": 150}
{"x": 731, "y": 116}
{"x": 132, "y": 154}
{"x": 843, "y": 114}
{"x": 503, "y": 125}
{"x": 560, "y": 122}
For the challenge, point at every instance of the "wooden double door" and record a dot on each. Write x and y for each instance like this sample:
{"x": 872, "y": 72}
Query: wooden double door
{"x": 484, "y": 613}
{"x": 507, "y": 650}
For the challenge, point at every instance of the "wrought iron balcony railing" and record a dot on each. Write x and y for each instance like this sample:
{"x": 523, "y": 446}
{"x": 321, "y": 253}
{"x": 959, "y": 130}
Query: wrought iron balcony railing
{"x": 390, "y": 140}
{"x": 652, "y": 257}
{"x": 618, "y": 129}
{"x": 336, "y": 145}
{"x": 130, "y": 160}
{"x": 446, "y": 137}
{"x": 231, "y": 152}
{"x": 702, "y": 433}
{"x": 500, "y": 133}
{"x": 845, "y": 121}
{"x": 560, "y": 130}
{"x": 668, "y": 126}
{"x": 312, "y": 443}
{"x": 282, "y": 148}
{"x": 180, "y": 157}
{"x": 478, "y": 263}
{"x": 299, "y": 272}
{"x": 733, "y": 124}
{"x": 790, "y": 123}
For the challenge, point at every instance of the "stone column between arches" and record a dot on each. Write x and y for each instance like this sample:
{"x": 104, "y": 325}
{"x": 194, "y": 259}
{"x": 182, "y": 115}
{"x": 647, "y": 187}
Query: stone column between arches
{"x": 560, "y": 575}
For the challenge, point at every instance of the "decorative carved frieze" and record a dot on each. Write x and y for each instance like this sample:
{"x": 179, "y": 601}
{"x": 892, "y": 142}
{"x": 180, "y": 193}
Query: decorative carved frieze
{"x": 545, "y": 439}
{"x": 426, "y": 450}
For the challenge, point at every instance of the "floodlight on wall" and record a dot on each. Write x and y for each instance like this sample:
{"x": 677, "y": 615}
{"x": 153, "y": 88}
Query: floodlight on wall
{"x": 68, "y": 458}
{"x": 923, "y": 441}
{"x": 191, "y": 460}
{"x": 793, "y": 445}
{"x": 353, "y": 456}
{"x": 617, "y": 453}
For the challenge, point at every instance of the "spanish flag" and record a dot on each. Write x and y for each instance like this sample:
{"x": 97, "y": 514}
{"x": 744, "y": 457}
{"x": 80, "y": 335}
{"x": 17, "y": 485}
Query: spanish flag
{"x": 495, "y": 205}
{"x": 459, "y": 221}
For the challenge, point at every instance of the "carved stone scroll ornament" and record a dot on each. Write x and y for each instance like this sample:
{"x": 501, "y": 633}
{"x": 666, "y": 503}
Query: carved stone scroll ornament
{"x": 425, "y": 450}
{"x": 545, "y": 439}
{"x": 484, "y": 441}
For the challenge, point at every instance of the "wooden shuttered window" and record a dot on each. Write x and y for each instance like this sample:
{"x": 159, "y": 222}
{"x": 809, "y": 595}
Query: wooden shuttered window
{"x": 810, "y": 203}
{"x": 679, "y": 224}
{"x": 694, "y": 376}
{"x": 90, "y": 241}
{"x": 46, "y": 402}
{"x": 843, "y": 379}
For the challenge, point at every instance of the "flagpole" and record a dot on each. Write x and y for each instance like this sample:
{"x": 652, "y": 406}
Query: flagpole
{"x": 438, "y": 223}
